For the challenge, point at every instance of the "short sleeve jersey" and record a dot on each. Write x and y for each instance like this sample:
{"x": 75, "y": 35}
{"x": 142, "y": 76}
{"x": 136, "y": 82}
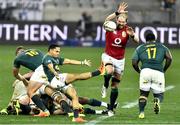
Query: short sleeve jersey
{"x": 151, "y": 55}
{"x": 56, "y": 61}
{"x": 116, "y": 43}
{"x": 30, "y": 59}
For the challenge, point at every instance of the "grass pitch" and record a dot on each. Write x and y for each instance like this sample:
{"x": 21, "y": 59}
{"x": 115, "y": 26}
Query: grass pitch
{"x": 128, "y": 89}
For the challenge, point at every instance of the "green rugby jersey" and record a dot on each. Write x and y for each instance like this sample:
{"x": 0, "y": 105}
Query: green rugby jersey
{"x": 151, "y": 55}
{"x": 30, "y": 59}
{"x": 56, "y": 61}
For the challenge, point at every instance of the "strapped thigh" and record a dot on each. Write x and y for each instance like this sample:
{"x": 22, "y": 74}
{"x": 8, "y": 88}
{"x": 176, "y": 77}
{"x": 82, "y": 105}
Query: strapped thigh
{"x": 108, "y": 64}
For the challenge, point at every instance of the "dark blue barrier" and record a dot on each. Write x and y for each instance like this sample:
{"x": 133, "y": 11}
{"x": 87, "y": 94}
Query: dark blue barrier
{"x": 64, "y": 33}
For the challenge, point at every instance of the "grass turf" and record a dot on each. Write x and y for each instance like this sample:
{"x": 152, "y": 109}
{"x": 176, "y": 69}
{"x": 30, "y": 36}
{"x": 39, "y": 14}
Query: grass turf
{"x": 128, "y": 89}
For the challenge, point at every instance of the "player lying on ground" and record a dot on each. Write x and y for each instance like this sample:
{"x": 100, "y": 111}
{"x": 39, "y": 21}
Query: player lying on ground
{"x": 31, "y": 59}
{"x": 21, "y": 104}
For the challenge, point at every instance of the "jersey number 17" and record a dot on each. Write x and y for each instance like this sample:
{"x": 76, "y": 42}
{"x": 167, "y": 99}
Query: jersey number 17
{"x": 151, "y": 53}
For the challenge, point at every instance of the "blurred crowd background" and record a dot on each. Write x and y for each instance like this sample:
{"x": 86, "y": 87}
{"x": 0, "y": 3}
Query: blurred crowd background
{"x": 79, "y": 22}
{"x": 140, "y": 11}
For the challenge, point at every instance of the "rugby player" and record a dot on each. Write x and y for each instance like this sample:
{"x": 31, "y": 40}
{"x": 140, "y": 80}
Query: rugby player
{"x": 113, "y": 56}
{"x": 152, "y": 56}
{"x": 32, "y": 59}
{"x": 51, "y": 62}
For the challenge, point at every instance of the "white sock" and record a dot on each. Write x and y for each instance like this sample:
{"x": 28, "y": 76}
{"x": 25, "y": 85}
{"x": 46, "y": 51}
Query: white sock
{"x": 98, "y": 111}
{"x": 104, "y": 104}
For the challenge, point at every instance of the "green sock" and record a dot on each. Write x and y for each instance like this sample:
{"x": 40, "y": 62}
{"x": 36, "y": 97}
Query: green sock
{"x": 142, "y": 104}
{"x": 113, "y": 97}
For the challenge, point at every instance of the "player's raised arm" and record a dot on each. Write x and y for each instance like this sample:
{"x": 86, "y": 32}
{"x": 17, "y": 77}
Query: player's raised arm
{"x": 121, "y": 9}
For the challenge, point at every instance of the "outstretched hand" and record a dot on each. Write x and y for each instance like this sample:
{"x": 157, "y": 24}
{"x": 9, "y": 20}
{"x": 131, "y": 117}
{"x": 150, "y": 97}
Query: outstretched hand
{"x": 87, "y": 62}
{"x": 130, "y": 31}
{"x": 122, "y": 7}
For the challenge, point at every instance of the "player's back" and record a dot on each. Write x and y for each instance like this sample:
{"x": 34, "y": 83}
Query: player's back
{"x": 19, "y": 90}
{"x": 30, "y": 59}
{"x": 152, "y": 55}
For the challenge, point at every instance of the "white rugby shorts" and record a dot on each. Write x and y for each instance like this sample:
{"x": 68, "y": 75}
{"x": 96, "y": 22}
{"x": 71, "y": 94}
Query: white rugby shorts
{"x": 39, "y": 76}
{"x": 60, "y": 83}
{"x": 152, "y": 80}
{"x": 118, "y": 65}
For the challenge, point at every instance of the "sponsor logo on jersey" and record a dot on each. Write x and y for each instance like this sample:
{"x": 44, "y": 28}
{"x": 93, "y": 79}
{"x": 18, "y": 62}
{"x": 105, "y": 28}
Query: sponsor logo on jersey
{"x": 117, "y": 42}
{"x": 124, "y": 34}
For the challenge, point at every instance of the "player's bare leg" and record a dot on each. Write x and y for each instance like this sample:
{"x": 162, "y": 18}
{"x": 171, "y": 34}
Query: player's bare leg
{"x": 82, "y": 76}
{"x": 31, "y": 89}
{"x": 75, "y": 103}
{"x": 58, "y": 98}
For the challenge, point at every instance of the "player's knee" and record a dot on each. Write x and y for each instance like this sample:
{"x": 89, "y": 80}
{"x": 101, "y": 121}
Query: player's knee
{"x": 109, "y": 68}
{"x": 72, "y": 93}
{"x": 109, "y": 71}
{"x": 30, "y": 94}
{"x": 160, "y": 96}
{"x": 25, "y": 100}
{"x": 144, "y": 93}
{"x": 83, "y": 100}
{"x": 114, "y": 90}
{"x": 142, "y": 99}
{"x": 56, "y": 96}
{"x": 115, "y": 82}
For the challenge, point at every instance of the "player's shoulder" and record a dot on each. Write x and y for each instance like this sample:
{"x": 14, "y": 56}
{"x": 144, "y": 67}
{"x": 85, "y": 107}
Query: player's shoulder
{"x": 47, "y": 57}
{"x": 36, "y": 50}
{"x": 162, "y": 45}
{"x": 20, "y": 55}
{"x": 140, "y": 46}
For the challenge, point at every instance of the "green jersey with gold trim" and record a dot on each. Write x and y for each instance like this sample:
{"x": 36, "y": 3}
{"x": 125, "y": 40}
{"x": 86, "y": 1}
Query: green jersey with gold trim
{"x": 151, "y": 55}
{"x": 56, "y": 61}
{"x": 30, "y": 59}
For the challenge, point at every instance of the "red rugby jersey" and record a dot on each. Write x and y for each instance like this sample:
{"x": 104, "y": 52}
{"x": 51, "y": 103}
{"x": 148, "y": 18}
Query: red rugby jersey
{"x": 116, "y": 43}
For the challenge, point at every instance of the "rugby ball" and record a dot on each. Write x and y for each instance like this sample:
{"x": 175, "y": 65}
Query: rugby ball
{"x": 109, "y": 26}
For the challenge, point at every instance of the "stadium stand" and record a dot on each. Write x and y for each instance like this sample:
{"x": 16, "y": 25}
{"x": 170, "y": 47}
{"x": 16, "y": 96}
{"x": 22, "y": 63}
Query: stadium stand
{"x": 140, "y": 11}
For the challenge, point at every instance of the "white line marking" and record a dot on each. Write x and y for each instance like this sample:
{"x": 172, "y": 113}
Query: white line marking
{"x": 97, "y": 120}
{"x": 169, "y": 87}
{"x": 134, "y": 103}
{"x": 129, "y": 105}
